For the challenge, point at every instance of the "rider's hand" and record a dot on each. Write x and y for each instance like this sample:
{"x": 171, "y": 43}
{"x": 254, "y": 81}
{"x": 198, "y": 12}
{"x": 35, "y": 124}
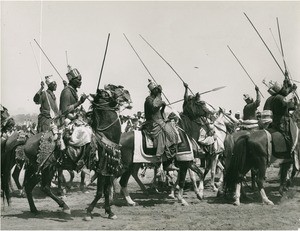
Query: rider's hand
{"x": 42, "y": 85}
{"x": 294, "y": 87}
{"x": 83, "y": 98}
{"x": 65, "y": 83}
{"x": 185, "y": 85}
{"x": 256, "y": 88}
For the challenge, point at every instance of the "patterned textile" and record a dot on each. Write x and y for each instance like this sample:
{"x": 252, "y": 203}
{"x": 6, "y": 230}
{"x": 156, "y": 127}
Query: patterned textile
{"x": 110, "y": 156}
{"x": 20, "y": 156}
{"x": 45, "y": 156}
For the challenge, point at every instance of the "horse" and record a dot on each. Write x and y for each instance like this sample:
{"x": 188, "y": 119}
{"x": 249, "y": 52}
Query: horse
{"x": 223, "y": 125}
{"x": 191, "y": 129}
{"x": 106, "y": 128}
{"x": 249, "y": 150}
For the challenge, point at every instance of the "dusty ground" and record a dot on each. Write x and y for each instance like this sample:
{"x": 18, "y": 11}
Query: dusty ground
{"x": 157, "y": 211}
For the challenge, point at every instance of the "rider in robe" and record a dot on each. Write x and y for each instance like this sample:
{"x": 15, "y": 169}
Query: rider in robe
{"x": 156, "y": 126}
{"x": 281, "y": 106}
{"x": 249, "y": 111}
{"x": 47, "y": 100}
{"x": 69, "y": 99}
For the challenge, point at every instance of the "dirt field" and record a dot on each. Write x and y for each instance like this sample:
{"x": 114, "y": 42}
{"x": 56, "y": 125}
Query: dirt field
{"x": 157, "y": 211}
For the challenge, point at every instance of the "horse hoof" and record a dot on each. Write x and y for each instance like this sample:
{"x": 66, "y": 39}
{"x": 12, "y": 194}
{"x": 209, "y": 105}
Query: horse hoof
{"x": 220, "y": 194}
{"x": 184, "y": 203}
{"x": 67, "y": 211}
{"x": 87, "y": 218}
{"x": 236, "y": 203}
{"x": 172, "y": 196}
{"x": 199, "y": 197}
{"x": 132, "y": 204}
{"x": 112, "y": 216}
{"x": 268, "y": 202}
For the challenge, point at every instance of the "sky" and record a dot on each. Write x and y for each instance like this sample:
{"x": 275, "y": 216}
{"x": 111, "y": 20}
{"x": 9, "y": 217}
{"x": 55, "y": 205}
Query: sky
{"x": 192, "y": 36}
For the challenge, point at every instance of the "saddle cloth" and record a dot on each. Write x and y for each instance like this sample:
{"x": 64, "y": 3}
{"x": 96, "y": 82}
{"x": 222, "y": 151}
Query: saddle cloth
{"x": 139, "y": 155}
{"x": 81, "y": 136}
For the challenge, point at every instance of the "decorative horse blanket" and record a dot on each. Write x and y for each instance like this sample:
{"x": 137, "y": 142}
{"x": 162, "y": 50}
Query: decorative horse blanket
{"x": 143, "y": 154}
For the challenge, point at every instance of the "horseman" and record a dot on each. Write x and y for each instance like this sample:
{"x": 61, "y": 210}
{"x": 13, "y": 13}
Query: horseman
{"x": 249, "y": 111}
{"x": 69, "y": 100}
{"x": 47, "y": 100}
{"x": 156, "y": 126}
{"x": 281, "y": 106}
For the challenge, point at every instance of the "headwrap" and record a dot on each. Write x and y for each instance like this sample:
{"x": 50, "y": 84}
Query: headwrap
{"x": 73, "y": 73}
{"x": 153, "y": 85}
{"x": 48, "y": 79}
{"x": 247, "y": 97}
{"x": 274, "y": 87}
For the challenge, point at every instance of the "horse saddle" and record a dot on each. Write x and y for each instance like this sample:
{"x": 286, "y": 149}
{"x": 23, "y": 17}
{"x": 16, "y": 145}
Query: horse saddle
{"x": 150, "y": 149}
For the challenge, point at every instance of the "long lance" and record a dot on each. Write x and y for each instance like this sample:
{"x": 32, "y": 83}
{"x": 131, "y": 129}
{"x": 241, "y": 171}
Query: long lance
{"x": 264, "y": 43}
{"x": 67, "y": 58}
{"x": 103, "y": 61}
{"x": 48, "y": 59}
{"x": 279, "y": 34}
{"x": 243, "y": 68}
{"x": 52, "y": 114}
{"x": 215, "y": 89}
{"x": 144, "y": 64}
{"x": 165, "y": 61}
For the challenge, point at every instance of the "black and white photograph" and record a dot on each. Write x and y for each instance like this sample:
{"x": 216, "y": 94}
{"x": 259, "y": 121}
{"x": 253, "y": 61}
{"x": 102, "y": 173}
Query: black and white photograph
{"x": 150, "y": 115}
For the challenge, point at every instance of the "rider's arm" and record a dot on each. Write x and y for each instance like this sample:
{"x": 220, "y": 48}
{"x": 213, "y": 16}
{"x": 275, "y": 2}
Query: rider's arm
{"x": 37, "y": 97}
{"x": 258, "y": 97}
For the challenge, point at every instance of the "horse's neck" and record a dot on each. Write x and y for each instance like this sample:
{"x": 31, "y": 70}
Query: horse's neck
{"x": 108, "y": 123}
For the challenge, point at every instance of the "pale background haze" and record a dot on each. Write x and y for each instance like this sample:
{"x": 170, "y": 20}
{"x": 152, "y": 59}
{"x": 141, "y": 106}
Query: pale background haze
{"x": 186, "y": 34}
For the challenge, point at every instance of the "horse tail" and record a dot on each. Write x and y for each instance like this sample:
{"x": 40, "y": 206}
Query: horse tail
{"x": 234, "y": 172}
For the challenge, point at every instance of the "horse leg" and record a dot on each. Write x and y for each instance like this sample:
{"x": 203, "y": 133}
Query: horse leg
{"x": 260, "y": 183}
{"x": 253, "y": 180}
{"x": 90, "y": 208}
{"x": 134, "y": 174}
{"x": 197, "y": 170}
{"x": 221, "y": 172}
{"x": 284, "y": 168}
{"x": 213, "y": 171}
{"x": 82, "y": 178}
{"x": 30, "y": 181}
{"x": 16, "y": 175}
{"x": 60, "y": 179}
{"x": 183, "y": 167}
{"x": 194, "y": 182}
{"x": 107, "y": 192}
{"x": 237, "y": 195}
{"x": 174, "y": 184}
{"x": 124, "y": 183}
{"x": 47, "y": 176}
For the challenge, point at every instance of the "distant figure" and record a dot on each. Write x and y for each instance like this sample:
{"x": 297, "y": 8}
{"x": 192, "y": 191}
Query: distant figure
{"x": 47, "y": 100}
{"x": 249, "y": 111}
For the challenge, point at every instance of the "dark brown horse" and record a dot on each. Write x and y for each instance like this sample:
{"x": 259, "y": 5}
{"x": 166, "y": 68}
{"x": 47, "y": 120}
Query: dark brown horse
{"x": 249, "y": 150}
{"x": 105, "y": 123}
